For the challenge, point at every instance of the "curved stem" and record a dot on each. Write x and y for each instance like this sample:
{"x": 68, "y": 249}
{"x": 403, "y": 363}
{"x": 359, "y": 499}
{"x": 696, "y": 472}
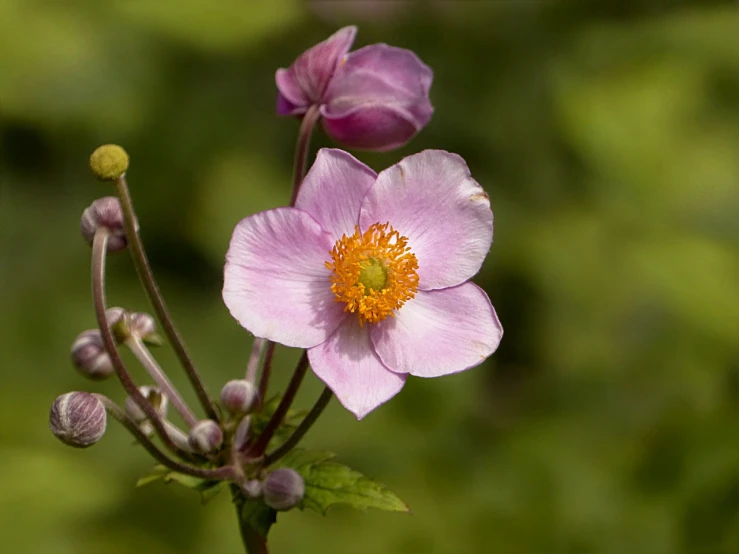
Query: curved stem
{"x": 113, "y": 409}
{"x": 155, "y": 297}
{"x": 301, "y": 149}
{"x": 266, "y": 367}
{"x": 137, "y": 346}
{"x": 99, "y": 250}
{"x": 302, "y": 429}
{"x": 257, "y": 349}
{"x": 274, "y": 423}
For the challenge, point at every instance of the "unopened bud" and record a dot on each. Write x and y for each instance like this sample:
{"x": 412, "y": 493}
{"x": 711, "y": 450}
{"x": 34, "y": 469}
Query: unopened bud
{"x": 105, "y": 212}
{"x": 238, "y": 396}
{"x": 114, "y": 315}
{"x": 108, "y": 162}
{"x": 252, "y": 488}
{"x": 205, "y": 437}
{"x": 283, "y": 489}
{"x": 153, "y": 396}
{"x": 89, "y": 356}
{"x": 78, "y": 419}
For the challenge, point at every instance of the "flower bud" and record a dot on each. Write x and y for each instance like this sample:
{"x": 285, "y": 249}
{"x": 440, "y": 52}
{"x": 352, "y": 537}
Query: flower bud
{"x": 105, "y": 212}
{"x": 113, "y": 315}
{"x": 283, "y": 489}
{"x": 158, "y": 400}
{"x": 108, "y": 162}
{"x": 205, "y": 437}
{"x": 78, "y": 419}
{"x": 238, "y": 395}
{"x": 252, "y": 488}
{"x": 89, "y": 356}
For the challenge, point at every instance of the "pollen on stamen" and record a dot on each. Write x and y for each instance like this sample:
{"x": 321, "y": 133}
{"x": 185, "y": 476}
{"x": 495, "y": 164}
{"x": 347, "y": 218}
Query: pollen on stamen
{"x": 379, "y": 245}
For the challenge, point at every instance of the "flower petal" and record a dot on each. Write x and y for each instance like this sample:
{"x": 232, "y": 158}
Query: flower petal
{"x": 349, "y": 366}
{"x": 431, "y": 199}
{"x": 375, "y": 127}
{"x": 315, "y": 67}
{"x": 333, "y": 190}
{"x": 439, "y": 332}
{"x": 379, "y": 98}
{"x": 276, "y": 284}
{"x": 291, "y": 100}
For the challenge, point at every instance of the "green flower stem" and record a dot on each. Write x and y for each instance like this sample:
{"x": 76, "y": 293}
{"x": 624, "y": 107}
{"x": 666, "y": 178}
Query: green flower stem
{"x": 302, "y": 429}
{"x": 254, "y": 543}
{"x": 99, "y": 250}
{"x": 137, "y": 346}
{"x": 302, "y": 147}
{"x": 155, "y": 297}
{"x": 221, "y": 473}
{"x": 273, "y": 424}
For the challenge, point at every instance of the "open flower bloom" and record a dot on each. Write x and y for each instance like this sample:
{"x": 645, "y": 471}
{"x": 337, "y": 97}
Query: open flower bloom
{"x": 370, "y": 273}
{"x": 375, "y": 98}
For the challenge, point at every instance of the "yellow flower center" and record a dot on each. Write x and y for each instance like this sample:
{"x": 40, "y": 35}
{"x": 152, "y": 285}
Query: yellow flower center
{"x": 373, "y": 273}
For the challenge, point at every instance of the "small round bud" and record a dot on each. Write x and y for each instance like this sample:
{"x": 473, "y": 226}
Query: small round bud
{"x": 283, "y": 489}
{"x": 141, "y": 325}
{"x": 78, "y": 419}
{"x": 114, "y": 315}
{"x": 105, "y": 212}
{"x": 205, "y": 437}
{"x": 238, "y": 396}
{"x": 108, "y": 162}
{"x": 89, "y": 356}
{"x": 158, "y": 400}
{"x": 252, "y": 488}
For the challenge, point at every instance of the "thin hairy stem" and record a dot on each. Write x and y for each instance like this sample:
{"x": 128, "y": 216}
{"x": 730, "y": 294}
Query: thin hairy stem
{"x": 274, "y": 423}
{"x": 113, "y": 409}
{"x": 254, "y": 543}
{"x": 266, "y": 368}
{"x": 137, "y": 346}
{"x": 99, "y": 250}
{"x": 257, "y": 349}
{"x": 146, "y": 276}
{"x": 302, "y": 429}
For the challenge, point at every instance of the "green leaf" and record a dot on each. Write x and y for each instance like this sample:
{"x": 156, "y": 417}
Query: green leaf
{"x": 207, "y": 488}
{"x": 328, "y": 483}
{"x": 258, "y": 516}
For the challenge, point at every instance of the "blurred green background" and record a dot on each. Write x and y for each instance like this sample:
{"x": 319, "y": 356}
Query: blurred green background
{"x": 607, "y": 136}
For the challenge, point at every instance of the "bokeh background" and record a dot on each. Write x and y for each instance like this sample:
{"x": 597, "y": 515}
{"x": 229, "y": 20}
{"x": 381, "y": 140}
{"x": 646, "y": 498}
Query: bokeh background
{"x": 607, "y": 136}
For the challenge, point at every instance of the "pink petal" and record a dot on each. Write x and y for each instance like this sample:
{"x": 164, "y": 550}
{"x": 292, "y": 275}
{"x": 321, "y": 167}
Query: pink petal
{"x": 333, "y": 190}
{"x": 439, "y": 332}
{"x": 379, "y": 98}
{"x": 347, "y": 363}
{"x": 276, "y": 284}
{"x": 291, "y": 99}
{"x": 431, "y": 199}
{"x": 315, "y": 67}
{"x": 375, "y": 127}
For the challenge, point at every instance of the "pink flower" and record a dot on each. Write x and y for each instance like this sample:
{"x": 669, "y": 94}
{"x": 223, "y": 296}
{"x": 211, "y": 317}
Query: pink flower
{"x": 376, "y": 98}
{"x": 370, "y": 274}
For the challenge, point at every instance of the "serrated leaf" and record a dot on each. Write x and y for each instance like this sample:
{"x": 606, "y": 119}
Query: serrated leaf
{"x": 328, "y": 483}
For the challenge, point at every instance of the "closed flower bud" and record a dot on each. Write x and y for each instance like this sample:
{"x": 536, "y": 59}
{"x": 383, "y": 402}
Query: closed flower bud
{"x": 152, "y": 394}
{"x": 105, "y": 212}
{"x": 205, "y": 437}
{"x": 78, "y": 419}
{"x": 252, "y": 488}
{"x": 108, "y": 162}
{"x": 89, "y": 356}
{"x": 238, "y": 396}
{"x": 283, "y": 489}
